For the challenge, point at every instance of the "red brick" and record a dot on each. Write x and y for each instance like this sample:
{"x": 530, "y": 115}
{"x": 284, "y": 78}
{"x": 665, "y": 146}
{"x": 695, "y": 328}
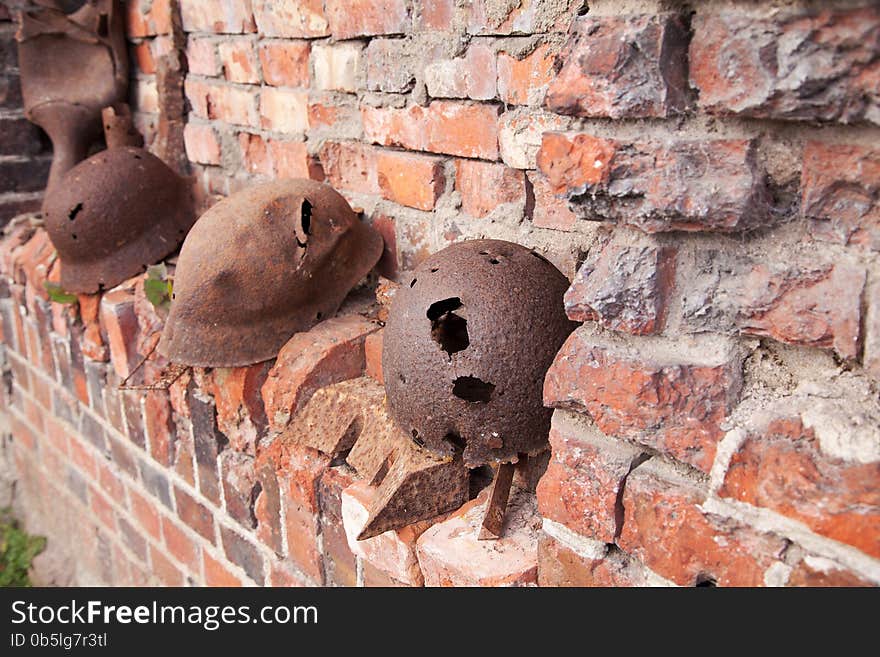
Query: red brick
{"x": 524, "y": 17}
{"x": 683, "y": 185}
{"x": 355, "y": 18}
{"x": 221, "y": 16}
{"x": 336, "y": 66}
{"x": 782, "y": 468}
{"x": 375, "y": 578}
{"x": 143, "y": 58}
{"x": 285, "y": 64}
{"x": 144, "y": 511}
{"x": 82, "y": 456}
{"x": 412, "y": 180}
{"x": 180, "y": 545}
{"x": 817, "y": 306}
{"x": 549, "y": 210}
{"x": 243, "y": 553}
{"x": 466, "y": 130}
{"x": 239, "y": 61}
{"x": 240, "y": 413}
{"x": 159, "y": 426}
{"x": 623, "y": 66}
{"x": 267, "y": 507}
{"x": 559, "y": 565}
{"x": 350, "y": 165}
{"x": 239, "y": 486}
{"x": 472, "y": 76}
{"x": 451, "y": 555}
{"x": 217, "y": 573}
{"x": 164, "y": 570}
{"x": 437, "y": 15}
{"x": 386, "y": 226}
{"x": 840, "y": 186}
{"x": 486, "y": 185}
{"x": 102, "y": 509}
{"x": 340, "y": 564}
{"x": 291, "y": 159}
{"x": 195, "y": 514}
{"x": 282, "y": 575}
{"x": 623, "y": 287}
{"x": 218, "y": 100}
{"x": 816, "y": 571}
{"x": 31, "y": 262}
{"x": 390, "y": 65}
{"x": 585, "y": 478}
{"x": 255, "y": 154}
{"x": 524, "y": 81}
{"x": 373, "y": 351}
{"x": 147, "y": 19}
{"x": 666, "y": 395}
{"x": 111, "y": 484}
{"x": 665, "y": 528}
{"x": 201, "y": 143}
{"x": 201, "y": 56}
{"x": 56, "y": 435}
{"x": 740, "y": 66}
{"x": 284, "y": 110}
{"x": 299, "y": 19}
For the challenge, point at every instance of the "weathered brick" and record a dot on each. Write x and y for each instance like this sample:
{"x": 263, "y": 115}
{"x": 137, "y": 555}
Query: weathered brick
{"x": 195, "y": 514}
{"x": 102, "y": 509}
{"x": 147, "y": 18}
{"x": 284, "y": 110}
{"x": 412, "y": 180}
{"x": 159, "y": 427}
{"x": 255, "y": 154}
{"x": 560, "y": 565}
{"x": 291, "y": 159}
{"x": 817, "y": 571}
{"x": 355, "y": 18}
{"x": 350, "y": 165}
{"x": 299, "y": 19}
{"x": 623, "y": 67}
{"x": 201, "y": 143}
{"x": 221, "y": 101}
{"x": 442, "y": 127}
{"x": 799, "y": 64}
{"x": 267, "y": 507}
{"x": 201, "y": 56}
{"x": 143, "y": 57}
{"x": 155, "y": 481}
{"x": 340, "y": 567}
{"x": 671, "y": 396}
{"x": 486, "y": 185}
{"x": 451, "y": 555}
{"x": 585, "y": 478}
{"x": 133, "y": 538}
{"x": 243, "y": 553}
{"x": 221, "y": 16}
{"x": 144, "y": 511}
{"x": 665, "y": 528}
{"x": 373, "y": 352}
{"x": 872, "y": 331}
{"x": 624, "y": 287}
{"x": 216, "y": 572}
{"x": 472, "y": 76}
{"x": 208, "y": 442}
{"x": 285, "y": 64}
{"x": 18, "y": 136}
{"x": 840, "y": 184}
{"x": 239, "y": 61}
{"x": 239, "y": 486}
{"x": 783, "y": 468}
{"x": 684, "y": 185}
{"x": 437, "y": 15}
{"x": 390, "y": 65}
{"x": 164, "y": 569}
{"x": 524, "y": 17}
{"x": 336, "y": 66}
{"x": 524, "y": 81}
{"x": 549, "y": 210}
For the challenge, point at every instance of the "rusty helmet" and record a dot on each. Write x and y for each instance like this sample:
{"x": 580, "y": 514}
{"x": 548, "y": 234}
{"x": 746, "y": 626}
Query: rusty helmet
{"x": 113, "y": 215}
{"x": 469, "y": 338}
{"x": 265, "y": 263}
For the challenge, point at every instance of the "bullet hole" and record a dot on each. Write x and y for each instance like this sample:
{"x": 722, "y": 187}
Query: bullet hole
{"x": 448, "y": 329}
{"x": 319, "y": 316}
{"x": 705, "y": 581}
{"x": 484, "y": 253}
{"x": 402, "y": 378}
{"x": 412, "y": 283}
{"x": 418, "y": 441}
{"x": 73, "y": 235}
{"x": 434, "y": 270}
{"x": 306, "y": 217}
{"x": 76, "y": 210}
{"x": 472, "y": 389}
{"x": 494, "y": 261}
{"x": 455, "y": 439}
{"x": 584, "y": 10}
{"x": 137, "y": 157}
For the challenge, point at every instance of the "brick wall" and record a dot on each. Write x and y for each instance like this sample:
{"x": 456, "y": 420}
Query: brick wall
{"x": 707, "y": 175}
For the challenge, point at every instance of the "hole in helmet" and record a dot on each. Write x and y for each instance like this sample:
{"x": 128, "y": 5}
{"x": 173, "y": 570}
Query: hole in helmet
{"x": 494, "y": 261}
{"x": 402, "y": 378}
{"x": 319, "y": 316}
{"x": 480, "y": 478}
{"x": 484, "y": 253}
{"x": 418, "y": 441}
{"x": 413, "y": 282}
{"x": 455, "y": 439}
{"x": 448, "y": 329}
{"x": 306, "y": 217}
{"x": 73, "y": 235}
{"x": 137, "y": 157}
{"x": 434, "y": 270}
{"x": 75, "y": 211}
{"x": 707, "y": 581}
{"x": 472, "y": 389}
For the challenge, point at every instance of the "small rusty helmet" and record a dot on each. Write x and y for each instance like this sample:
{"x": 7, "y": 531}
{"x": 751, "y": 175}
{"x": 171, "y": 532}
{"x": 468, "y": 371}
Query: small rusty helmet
{"x": 113, "y": 215}
{"x": 265, "y": 263}
{"x": 469, "y": 338}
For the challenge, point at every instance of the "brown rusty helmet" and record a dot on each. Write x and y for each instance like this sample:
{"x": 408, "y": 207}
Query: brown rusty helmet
{"x": 113, "y": 215}
{"x": 265, "y": 263}
{"x": 470, "y": 336}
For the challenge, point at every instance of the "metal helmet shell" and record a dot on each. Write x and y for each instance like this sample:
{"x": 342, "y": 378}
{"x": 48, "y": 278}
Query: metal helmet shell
{"x": 113, "y": 215}
{"x": 265, "y": 263}
{"x": 469, "y": 338}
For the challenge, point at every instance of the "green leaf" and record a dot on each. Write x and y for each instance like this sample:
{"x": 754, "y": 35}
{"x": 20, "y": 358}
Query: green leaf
{"x": 57, "y": 293}
{"x": 157, "y": 272}
{"x": 158, "y": 292}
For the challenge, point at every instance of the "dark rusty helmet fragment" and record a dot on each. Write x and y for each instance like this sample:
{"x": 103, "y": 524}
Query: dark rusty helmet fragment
{"x": 72, "y": 66}
{"x": 469, "y": 338}
{"x": 113, "y": 215}
{"x": 267, "y": 262}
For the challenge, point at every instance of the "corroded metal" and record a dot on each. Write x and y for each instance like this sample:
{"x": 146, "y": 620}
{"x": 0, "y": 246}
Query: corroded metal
{"x": 267, "y": 262}
{"x": 469, "y": 338}
{"x": 496, "y": 505}
{"x": 72, "y": 66}
{"x": 113, "y": 215}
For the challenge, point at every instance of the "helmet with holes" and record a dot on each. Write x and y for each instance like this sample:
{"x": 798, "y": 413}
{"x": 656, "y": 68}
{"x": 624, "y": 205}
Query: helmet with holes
{"x": 265, "y": 263}
{"x": 470, "y": 336}
{"x": 113, "y": 215}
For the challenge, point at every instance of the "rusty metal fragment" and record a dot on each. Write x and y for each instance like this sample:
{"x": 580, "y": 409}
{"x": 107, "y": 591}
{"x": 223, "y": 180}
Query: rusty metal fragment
{"x": 419, "y": 485}
{"x": 493, "y": 520}
{"x": 72, "y": 66}
{"x": 113, "y": 215}
{"x": 119, "y": 128}
{"x": 470, "y": 336}
{"x": 265, "y": 263}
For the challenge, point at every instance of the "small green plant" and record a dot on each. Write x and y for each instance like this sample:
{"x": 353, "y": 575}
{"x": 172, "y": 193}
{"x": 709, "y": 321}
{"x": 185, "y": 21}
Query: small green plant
{"x": 58, "y": 294}
{"x": 158, "y": 287}
{"x": 17, "y": 551}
